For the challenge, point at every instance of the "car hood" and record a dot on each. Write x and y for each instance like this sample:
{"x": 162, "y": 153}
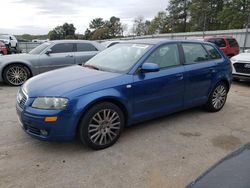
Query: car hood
{"x": 242, "y": 57}
{"x": 17, "y": 57}
{"x": 64, "y": 80}
{"x": 232, "y": 171}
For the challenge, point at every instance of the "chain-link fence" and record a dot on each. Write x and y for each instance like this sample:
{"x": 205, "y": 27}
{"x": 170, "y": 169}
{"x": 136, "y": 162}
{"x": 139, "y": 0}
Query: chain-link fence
{"x": 241, "y": 36}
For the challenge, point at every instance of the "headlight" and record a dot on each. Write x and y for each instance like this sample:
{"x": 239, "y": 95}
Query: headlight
{"x": 233, "y": 60}
{"x": 50, "y": 103}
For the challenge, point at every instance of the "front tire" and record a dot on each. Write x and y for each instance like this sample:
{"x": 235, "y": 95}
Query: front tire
{"x": 101, "y": 126}
{"x": 217, "y": 98}
{"x": 16, "y": 74}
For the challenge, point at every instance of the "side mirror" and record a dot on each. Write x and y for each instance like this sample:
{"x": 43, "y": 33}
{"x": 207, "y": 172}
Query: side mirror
{"x": 11, "y": 38}
{"x": 49, "y": 51}
{"x": 149, "y": 67}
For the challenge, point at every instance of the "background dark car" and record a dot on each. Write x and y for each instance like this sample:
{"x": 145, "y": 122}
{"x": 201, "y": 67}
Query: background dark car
{"x": 228, "y": 45}
{"x": 3, "y": 48}
{"x": 231, "y": 172}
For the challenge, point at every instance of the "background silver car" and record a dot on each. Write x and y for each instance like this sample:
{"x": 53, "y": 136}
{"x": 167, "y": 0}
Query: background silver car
{"x": 16, "y": 69}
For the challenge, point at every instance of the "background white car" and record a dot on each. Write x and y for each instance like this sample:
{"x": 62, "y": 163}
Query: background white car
{"x": 241, "y": 66}
{"x": 9, "y": 40}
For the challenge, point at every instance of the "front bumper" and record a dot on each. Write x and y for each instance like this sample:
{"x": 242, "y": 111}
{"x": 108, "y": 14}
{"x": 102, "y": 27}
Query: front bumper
{"x": 241, "y": 77}
{"x": 32, "y": 122}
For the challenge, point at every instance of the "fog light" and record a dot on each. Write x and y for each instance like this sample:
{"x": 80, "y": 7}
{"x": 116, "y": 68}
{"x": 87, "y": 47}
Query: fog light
{"x": 44, "y": 132}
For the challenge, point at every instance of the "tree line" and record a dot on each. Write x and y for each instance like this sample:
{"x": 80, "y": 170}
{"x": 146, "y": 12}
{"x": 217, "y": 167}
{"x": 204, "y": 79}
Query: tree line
{"x": 179, "y": 16}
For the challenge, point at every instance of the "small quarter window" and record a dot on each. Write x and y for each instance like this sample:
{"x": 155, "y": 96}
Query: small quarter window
{"x": 214, "y": 54}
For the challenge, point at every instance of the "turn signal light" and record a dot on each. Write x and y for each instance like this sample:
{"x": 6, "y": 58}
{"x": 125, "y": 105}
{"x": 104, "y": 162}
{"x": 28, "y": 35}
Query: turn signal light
{"x": 50, "y": 119}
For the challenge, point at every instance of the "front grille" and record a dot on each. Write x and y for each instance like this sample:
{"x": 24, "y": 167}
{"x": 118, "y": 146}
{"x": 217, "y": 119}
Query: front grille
{"x": 242, "y": 68}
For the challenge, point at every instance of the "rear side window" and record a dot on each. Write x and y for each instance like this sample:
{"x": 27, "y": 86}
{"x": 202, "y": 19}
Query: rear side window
{"x": 62, "y": 48}
{"x": 165, "y": 56}
{"x": 85, "y": 47}
{"x": 194, "y": 53}
{"x": 220, "y": 42}
{"x": 214, "y": 54}
{"x": 233, "y": 43}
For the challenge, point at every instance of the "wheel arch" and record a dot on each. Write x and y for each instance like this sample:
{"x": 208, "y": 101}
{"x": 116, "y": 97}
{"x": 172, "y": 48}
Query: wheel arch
{"x": 110, "y": 99}
{"x": 17, "y": 63}
{"x": 225, "y": 81}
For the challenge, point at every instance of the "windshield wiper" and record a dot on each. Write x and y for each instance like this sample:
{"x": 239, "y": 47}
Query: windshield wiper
{"x": 91, "y": 66}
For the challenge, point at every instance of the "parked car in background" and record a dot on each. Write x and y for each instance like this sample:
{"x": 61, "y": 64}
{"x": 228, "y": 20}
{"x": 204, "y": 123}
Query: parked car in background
{"x": 3, "y": 48}
{"x": 241, "y": 66}
{"x": 16, "y": 69}
{"x": 127, "y": 83}
{"x": 227, "y": 44}
{"x": 40, "y": 40}
{"x": 108, "y": 44}
{"x": 9, "y": 40}
{"x": 231, "y": 172}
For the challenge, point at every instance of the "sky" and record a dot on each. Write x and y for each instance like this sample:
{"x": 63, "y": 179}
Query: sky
{"x": 41, "y": 16}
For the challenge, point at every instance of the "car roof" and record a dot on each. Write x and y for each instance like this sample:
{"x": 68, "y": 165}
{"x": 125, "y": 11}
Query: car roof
{"x": 72, "y": 41}
{"x": 215, "y": 37}
{"x": 159, "y": 41}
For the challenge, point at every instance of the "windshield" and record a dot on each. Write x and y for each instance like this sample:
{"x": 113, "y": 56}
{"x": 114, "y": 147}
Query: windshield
{"x": 119, "y": 58}
{"x": 39, "y": 48}
{"x": 4, "y": 37}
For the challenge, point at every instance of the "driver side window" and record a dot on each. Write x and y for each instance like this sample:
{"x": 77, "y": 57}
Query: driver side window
{"x": 165, "y": 56}
{"x": 62, "y": 48}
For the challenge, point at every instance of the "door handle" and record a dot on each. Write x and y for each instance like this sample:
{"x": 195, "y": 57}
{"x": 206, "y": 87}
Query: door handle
{"x": 213, "y": 71}
{"x": 179, "y": 76}
{"x": 69, "y": 56}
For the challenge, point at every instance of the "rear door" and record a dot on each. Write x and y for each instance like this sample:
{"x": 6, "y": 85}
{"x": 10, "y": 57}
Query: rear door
{"x": 200, "y": 71}
{"x": 84, "y": 51}
{"x": 61, "y": 55}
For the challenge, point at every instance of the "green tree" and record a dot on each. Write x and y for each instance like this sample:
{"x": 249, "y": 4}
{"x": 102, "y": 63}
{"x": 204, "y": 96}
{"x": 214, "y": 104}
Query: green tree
{"x": 205, "y": 14}
{"x": 178, "y": 15}
{"x": 139, "y": 26}
{"x": 160, "y": 23}
{"x": 114, "y": 27}
{"x": 66, "y": 31}
{"x": 104, "y": 29}
{"x": 234, "y": 14}
{"x": 87, "y": 34}
{"x": 96, "y": 23}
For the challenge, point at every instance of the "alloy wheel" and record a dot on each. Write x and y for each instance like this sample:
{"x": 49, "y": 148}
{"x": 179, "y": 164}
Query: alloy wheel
{"x": 219, "y": 96}
{"x": 104, "y": 127}
{"x": 16, "y": 75}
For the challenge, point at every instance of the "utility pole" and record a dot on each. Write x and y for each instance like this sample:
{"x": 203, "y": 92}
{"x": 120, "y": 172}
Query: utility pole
{"x": 204, "y": 24}
{"x": 246, "y": 35}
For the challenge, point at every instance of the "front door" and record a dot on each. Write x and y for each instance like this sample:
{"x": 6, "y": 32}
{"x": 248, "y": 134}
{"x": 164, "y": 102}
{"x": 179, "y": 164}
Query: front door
{"x": 61, "y": 55}
{"x": 157, "y": 93}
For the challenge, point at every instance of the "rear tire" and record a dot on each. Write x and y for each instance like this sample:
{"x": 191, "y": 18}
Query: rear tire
{"x": 101, "y": 126}
{"x": 217, "y": 98}
{"x": 16, "y": 74}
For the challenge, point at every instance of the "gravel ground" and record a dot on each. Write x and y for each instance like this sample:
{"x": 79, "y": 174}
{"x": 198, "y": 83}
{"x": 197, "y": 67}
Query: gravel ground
{"x": 167, "y": 152}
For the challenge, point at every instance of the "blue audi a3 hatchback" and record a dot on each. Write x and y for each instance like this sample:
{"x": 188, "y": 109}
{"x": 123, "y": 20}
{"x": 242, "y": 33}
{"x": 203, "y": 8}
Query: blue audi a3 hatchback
{"x": 127, "y": 83}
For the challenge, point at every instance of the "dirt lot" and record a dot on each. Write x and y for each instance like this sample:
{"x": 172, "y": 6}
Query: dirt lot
{"x": 167, "y": 152}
